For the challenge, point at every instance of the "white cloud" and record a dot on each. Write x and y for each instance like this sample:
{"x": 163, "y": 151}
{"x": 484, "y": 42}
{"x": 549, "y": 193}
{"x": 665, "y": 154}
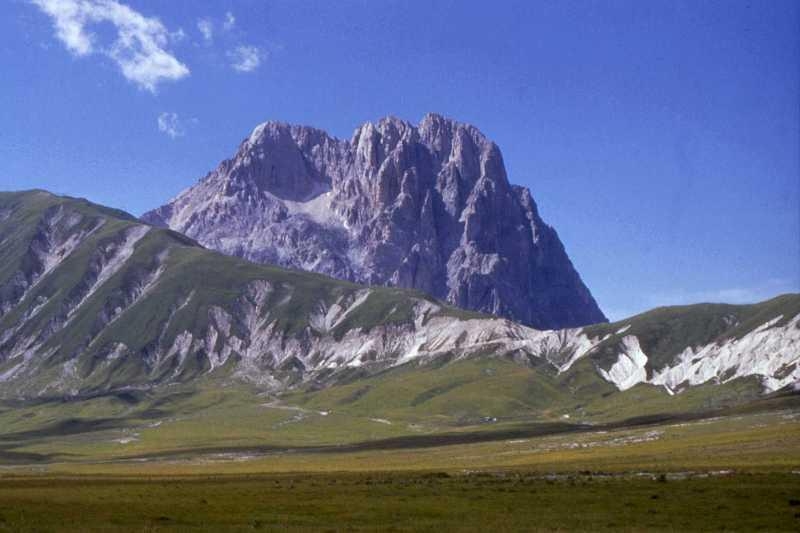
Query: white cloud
{"x": 170, "y": 124}
{"x": 177, "y": 35}
{"x": 230, "y": 21}
{"x": 139, "y": 46}
{"x": 245, "y": 58}
{"x": 206, "y": 27}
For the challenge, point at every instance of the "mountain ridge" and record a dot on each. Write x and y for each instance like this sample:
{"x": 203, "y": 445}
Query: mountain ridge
{"x": 92, "y": 301}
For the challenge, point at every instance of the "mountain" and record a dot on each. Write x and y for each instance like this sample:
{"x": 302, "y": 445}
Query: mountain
{"x": 94, "y": 301}
{"x": 427, "y": 207}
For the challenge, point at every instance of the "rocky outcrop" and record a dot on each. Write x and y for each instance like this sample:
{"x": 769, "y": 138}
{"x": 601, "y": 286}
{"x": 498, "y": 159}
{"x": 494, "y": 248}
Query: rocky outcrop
{"x": 427, "y": 207}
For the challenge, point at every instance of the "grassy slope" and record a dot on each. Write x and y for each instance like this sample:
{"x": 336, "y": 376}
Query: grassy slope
{"x": 763, "y": 436}
{"x": 205, "y": 417}
{"x": 666, "y": 331}
{"x": 466, "y": 391}
{"x": 211, "y": 278}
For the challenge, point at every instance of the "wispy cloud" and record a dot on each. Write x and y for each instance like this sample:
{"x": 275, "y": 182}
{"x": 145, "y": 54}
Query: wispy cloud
{"x": 230, "y": 21}
{"x": 170, "y": 124}
{"x": 245, "y": 58}
{"x": 177, "y": 35}
{"x": 206, "y": 28}
{"x": 139, "y": 48}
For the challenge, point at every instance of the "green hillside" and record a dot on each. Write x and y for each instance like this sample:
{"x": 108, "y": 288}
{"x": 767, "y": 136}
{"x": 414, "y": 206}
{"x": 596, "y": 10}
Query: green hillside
{"x": 190, "y": 281}
{"x": 664, "y": 332}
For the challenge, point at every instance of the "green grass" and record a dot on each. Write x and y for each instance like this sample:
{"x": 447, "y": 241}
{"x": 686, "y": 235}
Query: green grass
{"x": 724, "y": 473}
{"x": 400, "y": 502}
{"x": 468, "y": 391}
{"x": 205, "y": 419}
{"x": 733, "y": 472}
{"x": 216, "y": 459}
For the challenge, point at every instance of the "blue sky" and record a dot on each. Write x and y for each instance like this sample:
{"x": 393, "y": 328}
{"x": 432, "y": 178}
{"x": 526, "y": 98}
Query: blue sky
{"x": 661, "y": 139}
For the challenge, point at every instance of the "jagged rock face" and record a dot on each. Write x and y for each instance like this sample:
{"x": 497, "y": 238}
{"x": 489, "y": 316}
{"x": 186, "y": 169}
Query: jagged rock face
{"x": 427, "y": 207}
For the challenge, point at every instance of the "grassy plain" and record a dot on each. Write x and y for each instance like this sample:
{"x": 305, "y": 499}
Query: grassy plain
{"x": 736, "y": 470}
{"x": 400, "y": 502}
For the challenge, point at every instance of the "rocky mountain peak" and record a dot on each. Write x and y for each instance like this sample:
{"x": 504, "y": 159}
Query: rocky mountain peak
{"x": 275, "y": 158}
{"x": 427, "y": 206}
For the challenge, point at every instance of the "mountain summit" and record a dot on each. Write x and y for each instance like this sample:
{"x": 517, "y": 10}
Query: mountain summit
{"x": 427, "y": 207}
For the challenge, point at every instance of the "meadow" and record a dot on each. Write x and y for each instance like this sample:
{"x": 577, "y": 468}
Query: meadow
{"x": 738, "y": 470}
{"x": 433, "y": 501}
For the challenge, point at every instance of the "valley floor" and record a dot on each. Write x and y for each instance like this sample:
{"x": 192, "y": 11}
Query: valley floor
{"x": 509, "y": 501}
{"x": 738, "y": 471}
